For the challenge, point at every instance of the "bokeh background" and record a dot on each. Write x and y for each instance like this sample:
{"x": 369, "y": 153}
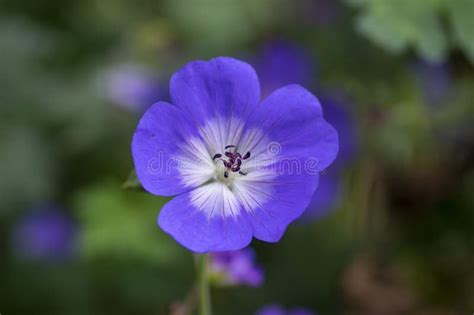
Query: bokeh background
{"x": 392, "y": 229}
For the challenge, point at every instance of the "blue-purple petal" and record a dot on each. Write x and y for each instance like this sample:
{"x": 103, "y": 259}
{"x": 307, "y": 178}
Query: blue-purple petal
{"x": 293, "y": 119}
{"x": 200, "y": 232}
{"x": 306, "y": 144}
{"x": 290, "y": 197}
{"x": 156, "y": 148}
{"x": 223, "y": 86}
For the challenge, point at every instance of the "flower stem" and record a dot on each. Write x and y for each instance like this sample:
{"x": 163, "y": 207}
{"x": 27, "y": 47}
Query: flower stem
{"x": 203, "y": 285}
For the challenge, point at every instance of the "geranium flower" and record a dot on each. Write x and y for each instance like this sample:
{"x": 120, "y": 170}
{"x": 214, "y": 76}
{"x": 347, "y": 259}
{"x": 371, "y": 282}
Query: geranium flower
{"x": 236, "y": 267}
{"x": 275, "y": 309}
{"x": 237, "y": 167}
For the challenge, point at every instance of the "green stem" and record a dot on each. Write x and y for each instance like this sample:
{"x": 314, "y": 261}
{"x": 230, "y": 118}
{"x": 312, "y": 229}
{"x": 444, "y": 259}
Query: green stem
{"x": 203, "y": 283}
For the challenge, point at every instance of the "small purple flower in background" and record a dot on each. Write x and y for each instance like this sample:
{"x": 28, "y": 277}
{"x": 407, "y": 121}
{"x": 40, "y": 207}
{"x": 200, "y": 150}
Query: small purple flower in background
{"x": 237, "y": 167}
{"x": 328, "y": 195}
{"x": 435, "y": 79}
{"x": 339, "y": 113}
{"x": 271, "y": 310}
{"x": 280, "y": 63}
{"x": 326, "y": 198}
{"x": 275, "y": 309}
{"x": 46, "y": 233}
{"x": 133, "y": 87}
{"x": 237, "y": 267}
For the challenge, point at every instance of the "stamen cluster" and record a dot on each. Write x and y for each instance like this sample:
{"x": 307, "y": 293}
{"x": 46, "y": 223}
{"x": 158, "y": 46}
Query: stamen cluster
{"x": 232, "y": 161}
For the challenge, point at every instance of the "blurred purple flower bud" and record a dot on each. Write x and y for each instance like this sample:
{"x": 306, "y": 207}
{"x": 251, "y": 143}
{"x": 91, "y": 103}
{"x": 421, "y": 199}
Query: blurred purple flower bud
{"x": 435, "y": 80}
{"x": 133, "y": 88}
{"x": 328, "y": 195}
{"x": 280, "y": 63}
{"x": 275, "y": 309}
{"x": 46, "y": 234}
{"x": 271, "y": 310}
{"x": 337, "y": 112}
{"x": 237, "y": 267}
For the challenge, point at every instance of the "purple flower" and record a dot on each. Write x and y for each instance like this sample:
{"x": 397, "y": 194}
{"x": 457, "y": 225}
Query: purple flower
{"x": 327, "y": 196}
{"x": 275, "y": 309}
{"x": 435, "y": 80}
{"x": 46, "y": 234}
{"x": 237, "y": 267}
{"x": 281, "y": 63}
{"x": 338, "y": 112}
{"x": 133, "y": 87}
{"x": 237, "y": 167}
{"x": 271, "y": 310}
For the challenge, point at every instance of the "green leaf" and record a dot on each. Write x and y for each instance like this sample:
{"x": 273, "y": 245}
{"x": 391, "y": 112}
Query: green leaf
{"x": 132, "y": 181}
{"x": 461, "y": 14}
{"x": 400, "y": 25}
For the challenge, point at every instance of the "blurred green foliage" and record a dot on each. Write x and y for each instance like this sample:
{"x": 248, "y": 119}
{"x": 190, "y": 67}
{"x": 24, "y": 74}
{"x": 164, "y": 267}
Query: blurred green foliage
{"x": 25, "y": 163}
{"x": 123, "y": 225}
{"x": 222, "y": 26}
{"x": 431, "y": 27}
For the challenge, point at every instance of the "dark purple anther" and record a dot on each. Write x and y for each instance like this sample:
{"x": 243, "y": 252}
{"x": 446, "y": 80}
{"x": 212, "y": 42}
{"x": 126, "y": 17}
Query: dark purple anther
{"x": 246, "y": 156}
{"x": 229, "y": 146}
{"x": 235, "y": 168}
{"x": 216, "y": 156}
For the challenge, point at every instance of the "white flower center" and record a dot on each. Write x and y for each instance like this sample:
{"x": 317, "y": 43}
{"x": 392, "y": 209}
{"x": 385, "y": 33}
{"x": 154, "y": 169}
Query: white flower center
{"x": 230, "y": 177}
